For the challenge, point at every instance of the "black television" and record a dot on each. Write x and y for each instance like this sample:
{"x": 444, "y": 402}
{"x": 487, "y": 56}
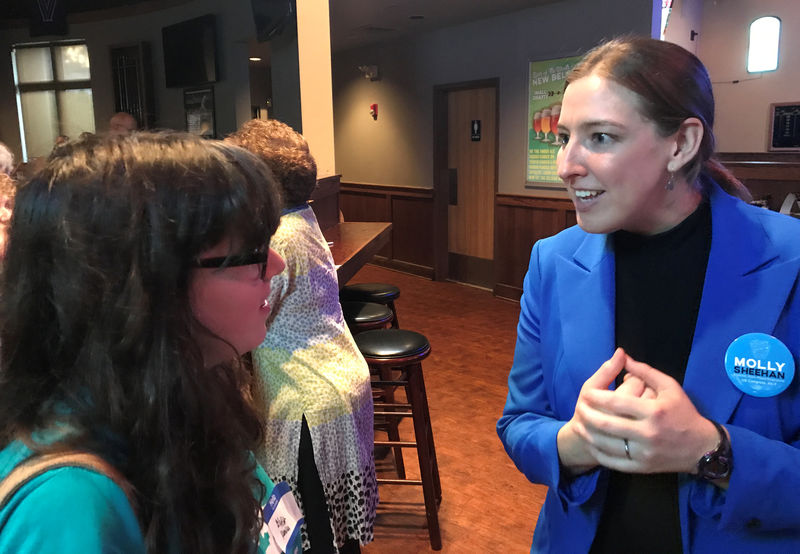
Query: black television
{"x": 190, "y": 52}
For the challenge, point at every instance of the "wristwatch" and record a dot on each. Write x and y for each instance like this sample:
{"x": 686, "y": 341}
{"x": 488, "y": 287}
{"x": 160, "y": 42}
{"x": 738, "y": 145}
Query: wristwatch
{"x": 718, "y": 463}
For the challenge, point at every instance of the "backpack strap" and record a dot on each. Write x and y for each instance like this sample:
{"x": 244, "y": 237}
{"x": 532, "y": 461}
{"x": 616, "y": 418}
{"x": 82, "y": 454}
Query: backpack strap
{"x": 39, "y": 464}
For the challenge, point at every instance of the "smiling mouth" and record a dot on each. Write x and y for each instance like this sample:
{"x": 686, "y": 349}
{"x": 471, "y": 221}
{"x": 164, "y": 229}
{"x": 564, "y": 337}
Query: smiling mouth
{"x": 587, "y": 194}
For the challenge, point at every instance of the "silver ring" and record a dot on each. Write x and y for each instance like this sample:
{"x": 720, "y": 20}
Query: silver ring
{"x": 627, "y": 449}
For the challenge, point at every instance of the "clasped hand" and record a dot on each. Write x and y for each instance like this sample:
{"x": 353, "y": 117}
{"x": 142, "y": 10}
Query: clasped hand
{"x": 663, "y": 429}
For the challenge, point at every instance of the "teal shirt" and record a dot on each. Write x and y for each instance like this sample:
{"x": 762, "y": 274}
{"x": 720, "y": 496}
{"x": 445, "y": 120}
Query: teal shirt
{"x": 72, "y": 509}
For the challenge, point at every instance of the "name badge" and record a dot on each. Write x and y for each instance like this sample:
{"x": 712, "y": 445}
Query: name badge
{"x": 283, "y": 520}
{"x": 759, "y": 365}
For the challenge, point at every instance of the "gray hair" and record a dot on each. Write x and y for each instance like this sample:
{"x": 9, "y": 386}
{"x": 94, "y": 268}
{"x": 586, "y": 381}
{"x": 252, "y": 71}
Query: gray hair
{"x": 6, "y": 160}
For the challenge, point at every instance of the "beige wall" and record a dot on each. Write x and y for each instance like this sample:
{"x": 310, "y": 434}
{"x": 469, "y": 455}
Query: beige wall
{"x": 316, "y": 97}
{"x": 742, "y": 115}
{"x": 232, "y": 92}
{"x": 397, "y": 149}
{"x": 687, "y": 16}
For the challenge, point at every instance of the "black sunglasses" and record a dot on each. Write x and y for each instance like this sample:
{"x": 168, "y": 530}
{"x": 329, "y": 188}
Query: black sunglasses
{"x": 259, "y": 257}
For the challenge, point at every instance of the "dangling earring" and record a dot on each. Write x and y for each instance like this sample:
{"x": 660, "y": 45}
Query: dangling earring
{"x": 671, "y": 181}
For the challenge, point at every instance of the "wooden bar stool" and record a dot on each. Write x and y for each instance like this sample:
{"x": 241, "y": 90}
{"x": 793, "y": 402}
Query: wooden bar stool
{"x": 380, "y": 293}
{"x": 363, "y": 316}
{"x": 403, "y": 351}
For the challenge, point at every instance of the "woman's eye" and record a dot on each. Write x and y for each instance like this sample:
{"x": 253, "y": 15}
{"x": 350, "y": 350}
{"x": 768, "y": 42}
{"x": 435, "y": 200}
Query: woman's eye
{"x": 601, "y": 138}
{"x": 562, "y": 139}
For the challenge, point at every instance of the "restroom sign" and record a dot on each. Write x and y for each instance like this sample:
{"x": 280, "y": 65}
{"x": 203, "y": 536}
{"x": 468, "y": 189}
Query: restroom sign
{"x": 475, "y": 130}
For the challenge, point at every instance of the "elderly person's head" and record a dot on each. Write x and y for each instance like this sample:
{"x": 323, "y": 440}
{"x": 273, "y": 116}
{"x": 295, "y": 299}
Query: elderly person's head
{"x": 122, "y": 123}
{"x": 286, "y": 153}
{"x": 636, "y": 140}
{"x": 6, "y": 160}
{"x": 8, "y": 189}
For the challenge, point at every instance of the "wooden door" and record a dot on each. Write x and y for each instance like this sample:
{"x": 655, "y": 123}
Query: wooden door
{"x": 472, "y": 162}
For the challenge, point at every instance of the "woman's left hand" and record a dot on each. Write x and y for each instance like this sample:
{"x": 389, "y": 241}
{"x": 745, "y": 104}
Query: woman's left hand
{"x": 664, "y": 431}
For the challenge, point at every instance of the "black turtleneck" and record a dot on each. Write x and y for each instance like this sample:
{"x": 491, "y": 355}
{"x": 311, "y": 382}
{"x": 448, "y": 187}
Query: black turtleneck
{"x": 659, "y": 282}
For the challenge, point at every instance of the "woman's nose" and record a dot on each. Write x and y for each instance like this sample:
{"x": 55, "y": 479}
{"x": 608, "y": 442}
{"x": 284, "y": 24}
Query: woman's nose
{"x": 569, "y": 162}
{"x": 275, "y": 264}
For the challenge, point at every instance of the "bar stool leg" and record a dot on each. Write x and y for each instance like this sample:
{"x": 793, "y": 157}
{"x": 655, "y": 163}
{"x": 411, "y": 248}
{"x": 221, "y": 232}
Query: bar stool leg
{"x": 429, "y": 438}
{"x": 392, "y": 423}
{"x": 395, "y": 323}
{"x": 431, "y": 488}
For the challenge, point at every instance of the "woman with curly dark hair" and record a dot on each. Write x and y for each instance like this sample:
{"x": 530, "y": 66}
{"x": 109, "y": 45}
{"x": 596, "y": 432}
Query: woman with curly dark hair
{"x": 137, "y": 271}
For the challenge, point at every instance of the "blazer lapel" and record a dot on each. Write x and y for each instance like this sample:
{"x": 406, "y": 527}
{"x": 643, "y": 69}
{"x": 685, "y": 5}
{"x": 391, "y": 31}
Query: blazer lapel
{"x": 745, "y": 289}
{"x": 585, "y": 289}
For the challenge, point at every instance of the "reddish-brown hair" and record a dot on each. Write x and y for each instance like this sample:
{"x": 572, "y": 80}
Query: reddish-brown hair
{"x": 672, "y": 85}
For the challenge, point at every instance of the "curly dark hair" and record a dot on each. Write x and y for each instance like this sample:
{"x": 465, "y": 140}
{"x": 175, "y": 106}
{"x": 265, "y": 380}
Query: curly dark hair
{"x": 286, "y": 153}
{"x": 98, "y": 333}
{"x": 672, "y": 85}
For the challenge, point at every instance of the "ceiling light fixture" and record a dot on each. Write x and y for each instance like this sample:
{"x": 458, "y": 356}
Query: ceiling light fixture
{"x": 254, "y": 59}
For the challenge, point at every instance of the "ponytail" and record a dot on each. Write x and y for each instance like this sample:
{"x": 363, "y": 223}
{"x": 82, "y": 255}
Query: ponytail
{"x": 729, "y": 183}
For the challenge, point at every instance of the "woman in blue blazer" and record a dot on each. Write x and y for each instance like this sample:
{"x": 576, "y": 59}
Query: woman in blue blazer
{"x": 680, "y": 440}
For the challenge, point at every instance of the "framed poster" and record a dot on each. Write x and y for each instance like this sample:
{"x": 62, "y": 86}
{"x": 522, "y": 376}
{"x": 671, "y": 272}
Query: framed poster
{"x": 545, "y": 88}
{"x": 199, "y": 107}
{"x": 784, "y": 127}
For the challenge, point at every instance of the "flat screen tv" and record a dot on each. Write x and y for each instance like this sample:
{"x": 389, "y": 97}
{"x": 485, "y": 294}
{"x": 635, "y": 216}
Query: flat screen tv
{"x": 190, "y": 52}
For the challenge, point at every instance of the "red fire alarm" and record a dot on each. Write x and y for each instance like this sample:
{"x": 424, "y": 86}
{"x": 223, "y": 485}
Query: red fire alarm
{"x": 373, "y": 111}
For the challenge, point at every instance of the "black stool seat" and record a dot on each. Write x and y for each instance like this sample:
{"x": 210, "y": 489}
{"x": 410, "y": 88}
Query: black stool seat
{"x": 362, "y": 316}
{"x": 391, "y": 344}
{"x": 370, "y": 292}
{"x": 395, "y": 359}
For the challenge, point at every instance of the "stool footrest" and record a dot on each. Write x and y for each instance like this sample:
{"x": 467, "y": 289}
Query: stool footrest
{"x": 404, "y": 406}
{"x": 401, "y": 444}
{"x": 388, "y": 383}
{"x": 416, "y": 482}
{"x": 394, "y": 414}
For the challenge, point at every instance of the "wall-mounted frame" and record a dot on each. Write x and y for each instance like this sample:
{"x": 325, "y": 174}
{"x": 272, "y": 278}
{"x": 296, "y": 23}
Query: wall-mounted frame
{"x": 545, "y": 87}
{"x": 784, "y": 127}
{"x": 198, "y": 104}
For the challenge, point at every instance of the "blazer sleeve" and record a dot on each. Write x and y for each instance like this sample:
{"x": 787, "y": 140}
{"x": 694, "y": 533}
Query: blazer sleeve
{"x": 765, "y": 438}
{"x": 529, "y": 425}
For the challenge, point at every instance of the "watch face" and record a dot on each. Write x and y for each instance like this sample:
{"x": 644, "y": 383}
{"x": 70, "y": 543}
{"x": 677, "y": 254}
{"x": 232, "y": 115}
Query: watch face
{"x": 714, "y": 466}
{"x": 718, "y": 463}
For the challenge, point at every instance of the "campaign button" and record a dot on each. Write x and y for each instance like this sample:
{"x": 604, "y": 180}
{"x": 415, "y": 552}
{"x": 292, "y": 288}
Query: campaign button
{"x": 759, "y": 365}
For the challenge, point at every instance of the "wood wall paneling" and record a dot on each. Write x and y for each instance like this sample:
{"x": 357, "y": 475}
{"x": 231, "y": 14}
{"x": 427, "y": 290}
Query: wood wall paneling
{"x": 325, "y": 201}
{"x": 409, "y": 209}
{"x": 520, "y": 221}
{"x": 412, "y": 236}
{"x": 769, "y": 176}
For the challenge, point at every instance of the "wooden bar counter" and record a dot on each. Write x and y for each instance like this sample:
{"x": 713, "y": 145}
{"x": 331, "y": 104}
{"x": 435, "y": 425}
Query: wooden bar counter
{"x": 354, "y": 244}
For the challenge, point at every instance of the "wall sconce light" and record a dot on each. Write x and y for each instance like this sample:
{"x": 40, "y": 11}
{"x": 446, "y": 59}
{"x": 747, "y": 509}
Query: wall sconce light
{"x": 373, "y": 111}
{"x": 369, "y": 72}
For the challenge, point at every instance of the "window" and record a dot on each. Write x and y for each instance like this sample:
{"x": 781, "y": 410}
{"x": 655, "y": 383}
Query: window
{"x": 762, "y": 48}
{"x": 54, "y": 94}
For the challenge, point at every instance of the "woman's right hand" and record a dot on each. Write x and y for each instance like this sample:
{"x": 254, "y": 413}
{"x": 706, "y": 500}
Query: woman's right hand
{"x": 578, "y": 438}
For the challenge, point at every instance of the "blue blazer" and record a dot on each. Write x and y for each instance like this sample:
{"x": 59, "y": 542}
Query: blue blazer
{"x": 566, "y": 331}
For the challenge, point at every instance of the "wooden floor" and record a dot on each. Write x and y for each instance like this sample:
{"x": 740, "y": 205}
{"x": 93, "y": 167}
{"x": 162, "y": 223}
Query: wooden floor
{"x": 487, "y": 505}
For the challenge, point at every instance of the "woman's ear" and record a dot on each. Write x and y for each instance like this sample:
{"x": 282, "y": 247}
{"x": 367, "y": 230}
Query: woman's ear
{"x": 686, "y": 143}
